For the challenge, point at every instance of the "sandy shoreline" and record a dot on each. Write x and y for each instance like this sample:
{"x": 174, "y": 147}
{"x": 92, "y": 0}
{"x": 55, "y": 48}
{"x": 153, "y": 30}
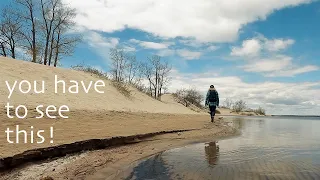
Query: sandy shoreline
{"x": 106, "y": 163}
{"x": 85, "y": 124}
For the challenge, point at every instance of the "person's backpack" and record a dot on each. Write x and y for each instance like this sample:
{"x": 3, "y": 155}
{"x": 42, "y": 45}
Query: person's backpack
{"x": 212, "y": 96}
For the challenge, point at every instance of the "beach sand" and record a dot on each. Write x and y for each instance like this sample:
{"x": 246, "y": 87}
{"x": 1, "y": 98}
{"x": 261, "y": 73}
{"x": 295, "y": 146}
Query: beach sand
{"x": 83, "y": 125}
{"x": 108, "y": 163}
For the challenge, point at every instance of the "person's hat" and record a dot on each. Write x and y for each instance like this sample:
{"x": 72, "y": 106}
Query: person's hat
{"x": 212, "y": 86}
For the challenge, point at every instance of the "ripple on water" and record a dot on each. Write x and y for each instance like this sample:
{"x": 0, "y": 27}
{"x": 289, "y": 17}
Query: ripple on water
{"x": 260, "y": 152}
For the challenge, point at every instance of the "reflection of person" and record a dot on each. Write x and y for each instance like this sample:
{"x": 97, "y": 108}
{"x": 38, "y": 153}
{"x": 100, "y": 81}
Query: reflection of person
{"x": 212, "y": 150}
{"x": 212, "y": 100}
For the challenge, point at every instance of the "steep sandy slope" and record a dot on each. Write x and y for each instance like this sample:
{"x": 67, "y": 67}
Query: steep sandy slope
{"x": 12, "y": 70}
{"x": 169, "y": 98}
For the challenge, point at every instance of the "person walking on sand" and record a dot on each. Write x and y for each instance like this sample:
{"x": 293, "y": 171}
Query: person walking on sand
{"x": 212, "y": 100}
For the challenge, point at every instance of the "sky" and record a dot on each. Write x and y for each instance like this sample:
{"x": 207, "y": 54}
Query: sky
{"x": 265, "y": 52}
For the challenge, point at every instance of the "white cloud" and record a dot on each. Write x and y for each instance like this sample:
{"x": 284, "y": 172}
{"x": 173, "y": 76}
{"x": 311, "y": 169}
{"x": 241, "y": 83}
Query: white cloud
{"x": 275, "y": 97}
{"x": 251, "y": 47}
{"x": 184, "y": 53}
{"x": 166, "y": 48}
{"x": 294, "y": 71}
{"x": 212, "y": 48}
{"x": 187, "y": 54}
{"x": 277, "y": 66}
{"x": 254, "y": 51}
{"x": 151, "y": 45}
{"x": 128, "y": 48}
{"x": 166, "y": 52}
{"x": 268, "y": 65}
{"x": 95, "y": 39}
{"x": 278, "y": 44}
{"x": 192, "y": 42}
{"x": 206, "y": 21}
{"x": 99, "y": 43}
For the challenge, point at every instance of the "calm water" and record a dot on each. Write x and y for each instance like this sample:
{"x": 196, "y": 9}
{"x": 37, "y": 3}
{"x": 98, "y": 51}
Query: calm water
{"x": 269, "y": 148}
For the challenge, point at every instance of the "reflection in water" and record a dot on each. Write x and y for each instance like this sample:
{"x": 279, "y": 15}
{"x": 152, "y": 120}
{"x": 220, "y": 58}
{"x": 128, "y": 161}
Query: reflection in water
{"x": 212, "y": 153}
{"x": 156, "y": 169}
{"x": 268, "y": 148}
{"x": 238, "y": 123}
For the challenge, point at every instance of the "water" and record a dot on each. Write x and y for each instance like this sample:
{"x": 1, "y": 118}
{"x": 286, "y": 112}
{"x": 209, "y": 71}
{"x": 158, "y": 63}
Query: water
{"x": 269, "y": 148}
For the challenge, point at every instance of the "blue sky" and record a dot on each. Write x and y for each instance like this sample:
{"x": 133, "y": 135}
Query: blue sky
{"x": 265, "y": 51}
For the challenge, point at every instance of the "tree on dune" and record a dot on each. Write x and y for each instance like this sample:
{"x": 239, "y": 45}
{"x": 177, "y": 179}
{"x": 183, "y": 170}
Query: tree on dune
{"x": 157, "y": 73}
{"x": 44, "y": 30}
{"x": 10, "y": 33}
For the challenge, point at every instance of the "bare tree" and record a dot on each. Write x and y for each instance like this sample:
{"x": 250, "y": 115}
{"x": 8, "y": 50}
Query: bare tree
{"x": 44, "y": 29}
{"x": 228, "y": 103}
{"x": 189, "y": 96}
{"x": 260, "y": 111}
{"x": 195, "y": 97}
{"x": 181, "y": 94}
{"x": 57, "y": 20}
{"x": 157, "y": 73}
{"x": 3, "y": 43}
{"x": 239, "y": 106}
{"x": 164, "y": 78}
{"x": 133, "y": 69}
{"x": 10, "y": 32}
{"x": 63, "y": 44}
{"x": 148, "y": 73}
{"x": 152, "y": 74}
{"x": 48, "y": 12}
{"x": 28, "y": 14}
{"x": 3, "y": 51}
{"x": 118, "y": 66}
{"x": 125, "y": 68}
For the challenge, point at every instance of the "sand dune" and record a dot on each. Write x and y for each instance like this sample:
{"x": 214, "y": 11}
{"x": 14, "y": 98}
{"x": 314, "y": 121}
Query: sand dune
{"x": 112, "y": 99}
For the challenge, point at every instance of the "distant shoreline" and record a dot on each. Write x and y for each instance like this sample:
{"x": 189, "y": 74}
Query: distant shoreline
{"x": 295, "y": 116}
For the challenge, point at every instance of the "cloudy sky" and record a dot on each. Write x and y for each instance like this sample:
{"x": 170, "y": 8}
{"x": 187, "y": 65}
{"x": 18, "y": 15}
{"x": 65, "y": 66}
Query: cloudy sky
{"x": 263, "y": 51}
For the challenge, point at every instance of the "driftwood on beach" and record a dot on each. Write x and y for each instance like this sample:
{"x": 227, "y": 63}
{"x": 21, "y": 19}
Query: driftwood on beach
{"x": 40, "y": 154}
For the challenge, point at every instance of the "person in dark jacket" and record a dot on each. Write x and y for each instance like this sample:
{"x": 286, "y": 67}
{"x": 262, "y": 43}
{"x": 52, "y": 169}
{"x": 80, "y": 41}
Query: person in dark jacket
{"x": 212, "y": 100}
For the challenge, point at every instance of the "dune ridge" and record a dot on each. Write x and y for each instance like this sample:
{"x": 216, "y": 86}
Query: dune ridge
{"x": 111, "y": 100}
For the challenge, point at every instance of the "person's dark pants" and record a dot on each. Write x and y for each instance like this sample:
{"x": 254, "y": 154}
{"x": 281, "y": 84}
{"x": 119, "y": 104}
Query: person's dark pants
{"x": 212, "y": 111}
